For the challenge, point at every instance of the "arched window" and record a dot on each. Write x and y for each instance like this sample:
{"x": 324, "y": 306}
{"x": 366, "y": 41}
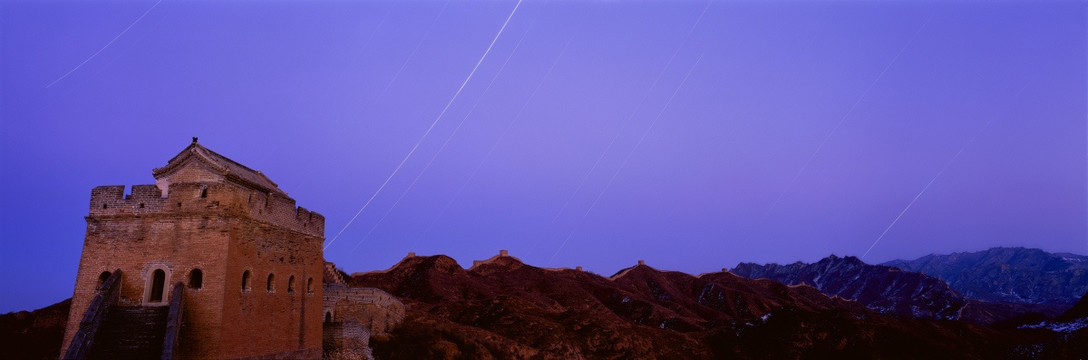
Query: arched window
{"x": 196, "y": 279}
{"x": 271, "y": 280}
{"x": 158, "y": 282}
{"x": 291, "y": 285}
{"x": 245, "y": 281}
{"x": 105, "y": 275}
{"x": 328, "y": 317}
{"x": 155, "y": 281}
{"x": 310, "y": 285}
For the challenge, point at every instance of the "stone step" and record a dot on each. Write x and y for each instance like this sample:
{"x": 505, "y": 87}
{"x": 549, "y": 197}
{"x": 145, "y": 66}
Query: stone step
{"x": 130, "y": 332}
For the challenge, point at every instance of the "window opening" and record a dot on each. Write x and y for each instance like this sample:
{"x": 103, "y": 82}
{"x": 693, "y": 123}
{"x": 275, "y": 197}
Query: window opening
{"x": 245, "y": 281}
{"x": 196, "y": 279}
{"x": 105, "y": 275}
{"x": 158, "y": 282}
{"x": 269, "y": 286}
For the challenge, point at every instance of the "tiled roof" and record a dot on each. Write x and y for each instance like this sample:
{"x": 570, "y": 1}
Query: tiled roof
{"x": 228, "y": 168}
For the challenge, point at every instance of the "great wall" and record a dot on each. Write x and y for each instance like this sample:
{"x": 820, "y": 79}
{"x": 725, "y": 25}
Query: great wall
{"x": 234, "y": 266}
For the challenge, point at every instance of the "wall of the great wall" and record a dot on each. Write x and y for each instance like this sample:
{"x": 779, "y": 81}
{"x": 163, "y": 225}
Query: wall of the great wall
{"x": 281, "y": 315}
{"x": 222, "y": 229}
{"x": 376, "y": 309}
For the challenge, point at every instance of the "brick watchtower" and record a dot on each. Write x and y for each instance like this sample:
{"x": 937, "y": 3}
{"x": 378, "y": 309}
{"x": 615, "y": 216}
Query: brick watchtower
{"x": 249, "y": 261}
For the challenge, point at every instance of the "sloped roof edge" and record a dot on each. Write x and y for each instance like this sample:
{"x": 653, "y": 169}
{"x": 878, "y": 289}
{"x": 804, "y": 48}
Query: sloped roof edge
{"x": 225, "y": 166}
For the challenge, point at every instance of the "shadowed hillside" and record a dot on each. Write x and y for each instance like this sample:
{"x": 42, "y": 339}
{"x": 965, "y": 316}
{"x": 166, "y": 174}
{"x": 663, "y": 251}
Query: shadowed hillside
{"x": 882, "y": 288}
{"x": 1017, "y": 275}
{"x": 504, "y": 309}
{"x": 33, "y": 334}
{"x": 890, "y": 290}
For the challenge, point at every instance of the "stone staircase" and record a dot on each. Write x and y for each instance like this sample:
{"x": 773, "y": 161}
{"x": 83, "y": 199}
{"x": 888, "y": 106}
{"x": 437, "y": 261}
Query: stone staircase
{"x": 130, "y": 332}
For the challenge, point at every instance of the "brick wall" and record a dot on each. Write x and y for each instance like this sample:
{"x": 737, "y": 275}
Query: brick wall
{"x": 223, "y": 229}
{"x": 138, "y": 246}
{"x": 282, "y": 318}
{"x": 351, "y": 335}
{"x": 374, "y": 308}
{"x": 206, "y": 199}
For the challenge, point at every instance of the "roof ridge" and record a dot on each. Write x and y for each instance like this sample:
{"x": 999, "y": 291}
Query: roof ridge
{"x": 221, "y": 156}
{"x": 228, "y": 167}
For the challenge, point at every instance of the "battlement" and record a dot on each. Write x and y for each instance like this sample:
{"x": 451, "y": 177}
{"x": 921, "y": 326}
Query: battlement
{"x": 221, "y": 198}
{"x": 111, "y": 199}
{"x": 364, "y": 295}
{"x": 378, "y": 310}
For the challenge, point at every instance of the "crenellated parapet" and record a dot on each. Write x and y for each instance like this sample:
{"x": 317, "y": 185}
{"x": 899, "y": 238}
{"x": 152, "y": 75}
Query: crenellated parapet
{"x": 380, "y": 311}
{"x": 220, "y": 198}
{"x": 111, "y": 200}
{"x": 366, "y": 295}
{"x": 277, "y": 208}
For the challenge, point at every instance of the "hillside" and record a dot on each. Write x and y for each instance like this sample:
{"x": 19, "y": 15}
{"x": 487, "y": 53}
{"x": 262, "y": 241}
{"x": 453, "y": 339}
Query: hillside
{"x": 1072, "y": 327}
{"x": 505, "y": 309}
{"x": 892, "y": 291}
{"x": 502, "y": 308}
{"x": 1015, "y": 275}
{"x": 33, "y": 334}
{"x": 881, "y": 288}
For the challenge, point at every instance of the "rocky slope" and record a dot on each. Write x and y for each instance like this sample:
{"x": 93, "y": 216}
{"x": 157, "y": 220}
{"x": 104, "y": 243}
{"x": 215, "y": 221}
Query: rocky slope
{"x": 892, "y": 291}
{"x": 881, "y": 288}
{"x": 504, "y": 309}
{"x": 1071, "y": 330}
{"x": 1077, "y": 312}
{"x": 1014, "y": 275}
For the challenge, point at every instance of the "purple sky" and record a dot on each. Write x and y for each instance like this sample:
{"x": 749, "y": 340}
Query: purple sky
{"x": 693, "y": 135}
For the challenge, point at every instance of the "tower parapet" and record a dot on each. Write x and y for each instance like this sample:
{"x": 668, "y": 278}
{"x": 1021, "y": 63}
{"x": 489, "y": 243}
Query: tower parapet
{"x": 204, "y": 198}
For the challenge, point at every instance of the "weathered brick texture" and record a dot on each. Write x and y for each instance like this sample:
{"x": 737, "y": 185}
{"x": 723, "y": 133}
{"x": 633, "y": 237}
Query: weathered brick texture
{"x": 378, "y": 310}
{"x": 211, "y": 214}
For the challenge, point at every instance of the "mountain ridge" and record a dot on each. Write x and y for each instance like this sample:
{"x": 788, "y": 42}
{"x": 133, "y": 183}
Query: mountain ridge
{"x": 503, "y": 308}
{"x": 885, "y": 289}
{"x": 1008, "y": 274}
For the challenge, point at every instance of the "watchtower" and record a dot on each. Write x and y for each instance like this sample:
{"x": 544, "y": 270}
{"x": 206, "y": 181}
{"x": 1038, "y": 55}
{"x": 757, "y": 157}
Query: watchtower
{"x": 247, "y": 262}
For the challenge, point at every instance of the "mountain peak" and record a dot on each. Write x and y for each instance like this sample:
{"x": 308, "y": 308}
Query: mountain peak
{"x": 501, "y": 262}
{"x": 854, "y": 260}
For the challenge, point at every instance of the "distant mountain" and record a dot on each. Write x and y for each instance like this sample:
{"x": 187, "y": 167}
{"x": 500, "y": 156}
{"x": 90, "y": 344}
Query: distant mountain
{"x": 1015, "y": 275}
{"x": 882, "y": 288}
{"x": 890, "y": 290}
{"x": 504, "y": 309}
